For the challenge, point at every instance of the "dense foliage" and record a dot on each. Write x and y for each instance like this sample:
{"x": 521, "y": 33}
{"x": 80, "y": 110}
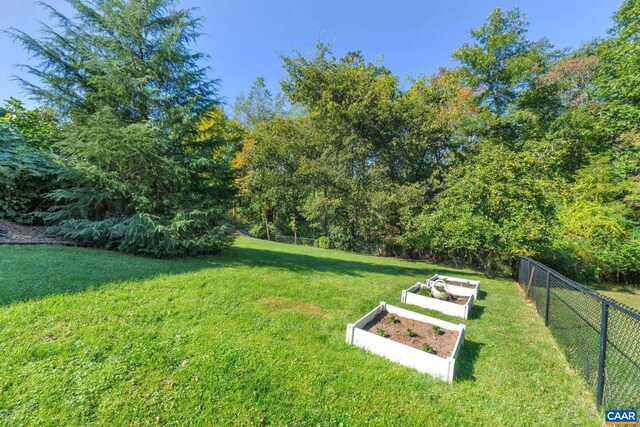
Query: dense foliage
{"x": 520, "y": 149}
{"x": 143, "y": 175}
{"x": 27, "y": 170}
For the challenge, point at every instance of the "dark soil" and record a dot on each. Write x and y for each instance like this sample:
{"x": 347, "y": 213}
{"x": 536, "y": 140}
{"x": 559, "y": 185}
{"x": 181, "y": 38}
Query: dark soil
{"x": 462, "y": 284}
{"x": 441, "y": 345}
{"x": 12, "y": 233}
{"x": 456, "y": 299}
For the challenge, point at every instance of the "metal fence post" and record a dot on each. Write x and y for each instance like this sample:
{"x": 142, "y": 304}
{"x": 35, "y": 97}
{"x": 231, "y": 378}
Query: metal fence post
{"x": 546, "y": 306}
{"x": 603, "y": 351}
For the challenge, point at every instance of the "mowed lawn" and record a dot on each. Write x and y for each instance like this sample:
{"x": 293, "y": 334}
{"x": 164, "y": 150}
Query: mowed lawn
{"x": 625, "y": 294}
{"x": 256, "y": 336}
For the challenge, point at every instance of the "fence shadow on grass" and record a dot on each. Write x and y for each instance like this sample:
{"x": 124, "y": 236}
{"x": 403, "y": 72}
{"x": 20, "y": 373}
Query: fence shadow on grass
{"x": 466, "y": 361}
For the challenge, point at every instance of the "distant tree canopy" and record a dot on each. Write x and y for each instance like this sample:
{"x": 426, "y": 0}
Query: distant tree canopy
{"x": 140, "y": 175}
{"x": 520, "y": 150}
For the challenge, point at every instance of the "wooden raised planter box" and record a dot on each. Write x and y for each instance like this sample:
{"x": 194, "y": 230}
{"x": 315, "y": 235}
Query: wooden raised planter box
{"x": 461, "y": 286}
{"x": 439, "y": 363}
{"x": 410, "y": 296}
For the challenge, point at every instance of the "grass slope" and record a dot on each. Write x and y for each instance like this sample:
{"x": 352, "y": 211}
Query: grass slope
{"x": 625, "y": 294}
{"x": 257, "y": 335}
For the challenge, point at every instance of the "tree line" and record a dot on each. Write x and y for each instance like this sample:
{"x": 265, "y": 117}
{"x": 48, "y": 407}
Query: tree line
{"x": 520, "y": 149}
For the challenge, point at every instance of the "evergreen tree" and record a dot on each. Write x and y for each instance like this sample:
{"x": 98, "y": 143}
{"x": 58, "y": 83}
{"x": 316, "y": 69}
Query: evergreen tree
{"x": 122, "y": 75}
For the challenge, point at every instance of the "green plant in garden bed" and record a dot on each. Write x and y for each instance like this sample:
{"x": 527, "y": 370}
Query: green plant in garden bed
{"x": 425, "y": 291}
{"x": 90, "y": 337}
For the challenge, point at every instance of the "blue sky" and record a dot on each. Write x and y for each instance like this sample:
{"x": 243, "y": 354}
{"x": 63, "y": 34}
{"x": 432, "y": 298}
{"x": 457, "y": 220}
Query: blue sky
{"x": 414, "y": 37}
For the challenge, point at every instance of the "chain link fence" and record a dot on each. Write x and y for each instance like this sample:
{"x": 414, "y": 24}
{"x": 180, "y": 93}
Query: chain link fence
{"x": 600, "y": 336}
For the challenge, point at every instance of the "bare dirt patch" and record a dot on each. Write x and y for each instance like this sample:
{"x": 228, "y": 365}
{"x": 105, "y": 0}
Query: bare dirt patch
{"x": 441, "y": 345}
{"x": 12, "y": 233}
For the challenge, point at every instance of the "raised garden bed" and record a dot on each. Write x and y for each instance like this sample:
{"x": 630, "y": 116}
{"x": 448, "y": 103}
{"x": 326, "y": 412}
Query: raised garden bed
{"x": 424, "y": 343}
{"x": 447, "y": 300}
{"x": 460, "y": 286}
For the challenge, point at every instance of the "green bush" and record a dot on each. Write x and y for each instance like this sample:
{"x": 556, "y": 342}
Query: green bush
{"x": 594, "y": 242}
{"x": 323, "y": 242}
{"x": 26, "y": 175}
{"x": 143, "y": 234}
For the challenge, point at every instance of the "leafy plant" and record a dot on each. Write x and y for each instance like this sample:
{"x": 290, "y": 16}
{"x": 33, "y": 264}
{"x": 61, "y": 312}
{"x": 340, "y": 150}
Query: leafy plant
{"x": 26, "y": 175}
{"x": 427, "y": 348}
{"x": 411, "y": 333}
{"x": 381, "y": 332}
{"x": 425, "y": 291}
{"x": 437, "y": 330}
{"x": 394, "y": 319}
{"x": 323, "y": 242}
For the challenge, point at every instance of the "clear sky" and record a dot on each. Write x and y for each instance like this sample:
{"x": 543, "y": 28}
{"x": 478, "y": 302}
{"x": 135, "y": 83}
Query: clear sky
{"x": 414, "y": 37}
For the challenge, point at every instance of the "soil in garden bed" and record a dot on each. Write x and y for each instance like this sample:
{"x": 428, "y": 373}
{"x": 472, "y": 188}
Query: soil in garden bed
{"x": 441, "y": 345}
{"x": 461, "y": 284}
{"x": 455, "y": 299}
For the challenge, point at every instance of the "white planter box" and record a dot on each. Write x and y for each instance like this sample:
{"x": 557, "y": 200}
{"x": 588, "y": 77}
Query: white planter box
{"x": 459, "y": 290}
{"x": 409, "y": 296}
{"x": 427, "y": 363}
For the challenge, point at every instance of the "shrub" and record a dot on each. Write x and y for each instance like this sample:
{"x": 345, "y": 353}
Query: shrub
{"x": 143, "y": 234}
{"x": 26, "y": 175}
{"x": 425, "y": 291}
{"x": 323, "y": 242}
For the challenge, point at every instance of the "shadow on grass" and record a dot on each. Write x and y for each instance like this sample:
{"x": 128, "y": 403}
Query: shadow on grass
{"x": 476, "y": 312}
{"x": 34, "y": 272}
{"x": 303, "y": 263}
{"x": 465, "y": 369}
{"x": 482, "y": 294}
{"x": 629, "y": 289}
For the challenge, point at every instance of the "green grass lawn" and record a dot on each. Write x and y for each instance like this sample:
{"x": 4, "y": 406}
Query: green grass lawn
{"x": 625, "y": 294}
{"x": 93, "y": 337}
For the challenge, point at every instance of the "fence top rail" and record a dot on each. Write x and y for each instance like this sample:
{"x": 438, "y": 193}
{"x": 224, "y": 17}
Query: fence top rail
{"x": 630, "y": 311}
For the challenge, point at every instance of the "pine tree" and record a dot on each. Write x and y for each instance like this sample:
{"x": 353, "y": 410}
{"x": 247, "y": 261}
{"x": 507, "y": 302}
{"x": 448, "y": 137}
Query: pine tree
{"x": 122, "y": 75}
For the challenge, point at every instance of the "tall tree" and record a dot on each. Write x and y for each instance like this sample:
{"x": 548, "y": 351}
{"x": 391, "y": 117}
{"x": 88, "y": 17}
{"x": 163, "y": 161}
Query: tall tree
{"x": 501, "y": 61}
{"x": 259, "y": 105}
{"x": 123, "y": 75}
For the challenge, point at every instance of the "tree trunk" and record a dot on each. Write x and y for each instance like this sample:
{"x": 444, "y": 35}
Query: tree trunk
{"x": 266, "y": 223}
